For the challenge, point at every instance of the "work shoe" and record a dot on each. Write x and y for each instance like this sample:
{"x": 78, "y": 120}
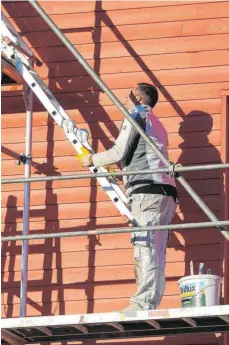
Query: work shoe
{"x": 132, "y": 307}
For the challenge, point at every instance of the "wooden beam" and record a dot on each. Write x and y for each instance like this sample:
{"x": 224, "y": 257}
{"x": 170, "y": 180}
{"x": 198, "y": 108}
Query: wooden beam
{"x": 81, "y": 328}
{"x": 154, "y": 323}
{"x": 45, "y": 330}
{"x": 116, "y": 325}
{"x": 225, "y": 318}
{"x": 190, "y": 321}
{"x": 11, "y": 338}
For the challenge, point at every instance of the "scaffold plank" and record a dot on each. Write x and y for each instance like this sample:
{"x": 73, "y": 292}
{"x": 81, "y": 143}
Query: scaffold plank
{"x": 116, "y": 325}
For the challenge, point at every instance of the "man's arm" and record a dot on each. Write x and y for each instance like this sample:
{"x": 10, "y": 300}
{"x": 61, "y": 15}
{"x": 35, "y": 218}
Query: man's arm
{"x": 122, "y": 146}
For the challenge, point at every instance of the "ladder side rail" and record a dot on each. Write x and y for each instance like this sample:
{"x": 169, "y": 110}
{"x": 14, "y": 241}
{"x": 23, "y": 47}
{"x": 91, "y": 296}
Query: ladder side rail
{"x": 8, "y": 30}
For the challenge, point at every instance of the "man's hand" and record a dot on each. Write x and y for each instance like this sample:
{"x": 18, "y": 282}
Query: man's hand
{"x": 85, "y": 157}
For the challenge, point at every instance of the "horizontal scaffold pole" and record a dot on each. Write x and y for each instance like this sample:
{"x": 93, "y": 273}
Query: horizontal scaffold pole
{"x": 117, "y": 231}
{"x": 177, "y": 168}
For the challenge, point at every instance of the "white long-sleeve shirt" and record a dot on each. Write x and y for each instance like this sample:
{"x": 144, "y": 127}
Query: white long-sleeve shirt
{"x": 135, "y": 154}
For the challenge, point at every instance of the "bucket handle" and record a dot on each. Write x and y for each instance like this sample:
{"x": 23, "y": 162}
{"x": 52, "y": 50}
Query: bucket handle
{"x": 201, "y": 291}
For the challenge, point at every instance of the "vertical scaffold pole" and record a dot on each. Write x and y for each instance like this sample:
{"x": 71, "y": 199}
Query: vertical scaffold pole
{"x": 28, "y": 99}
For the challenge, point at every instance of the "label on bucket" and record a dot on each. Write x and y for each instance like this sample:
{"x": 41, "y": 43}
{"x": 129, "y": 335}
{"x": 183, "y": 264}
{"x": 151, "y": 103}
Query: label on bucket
{"x": 193, "y": 294}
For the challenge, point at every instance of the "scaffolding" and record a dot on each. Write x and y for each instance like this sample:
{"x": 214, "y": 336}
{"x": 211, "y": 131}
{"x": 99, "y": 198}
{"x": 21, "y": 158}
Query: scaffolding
{"x": 26, "y": 330}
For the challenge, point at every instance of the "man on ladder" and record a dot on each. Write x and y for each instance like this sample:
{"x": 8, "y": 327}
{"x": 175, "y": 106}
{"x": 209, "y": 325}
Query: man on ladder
{"x": 152, "y": 198}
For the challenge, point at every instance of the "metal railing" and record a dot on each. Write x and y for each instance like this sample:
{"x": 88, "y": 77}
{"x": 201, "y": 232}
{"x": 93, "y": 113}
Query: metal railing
{"x": 117, "y": 231}
{"x": 177, "y": 168}
{"x": 171, "y": 168}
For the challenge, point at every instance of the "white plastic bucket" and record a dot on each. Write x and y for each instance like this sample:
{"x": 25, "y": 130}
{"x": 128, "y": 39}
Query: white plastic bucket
{"x": 200, "y": 290}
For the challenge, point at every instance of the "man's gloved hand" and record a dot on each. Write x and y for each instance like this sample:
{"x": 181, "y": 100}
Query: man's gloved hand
{"x": 85, "y": 157}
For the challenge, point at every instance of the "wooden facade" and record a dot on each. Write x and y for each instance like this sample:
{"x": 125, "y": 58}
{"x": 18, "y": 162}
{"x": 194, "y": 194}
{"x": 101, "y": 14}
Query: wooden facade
{"x": 183, "y": 49}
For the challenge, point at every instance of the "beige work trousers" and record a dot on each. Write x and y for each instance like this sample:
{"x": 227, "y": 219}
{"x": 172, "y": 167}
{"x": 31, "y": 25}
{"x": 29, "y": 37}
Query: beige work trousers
{"x": 150, "y": 246}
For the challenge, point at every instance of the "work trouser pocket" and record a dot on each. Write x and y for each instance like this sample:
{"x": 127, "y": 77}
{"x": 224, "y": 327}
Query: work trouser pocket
{"x": 151, "y": 202}
{"x": 137, "y": 265}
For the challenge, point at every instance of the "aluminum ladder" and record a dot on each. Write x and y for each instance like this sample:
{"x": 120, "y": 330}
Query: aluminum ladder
{"x": 18, "y": 55}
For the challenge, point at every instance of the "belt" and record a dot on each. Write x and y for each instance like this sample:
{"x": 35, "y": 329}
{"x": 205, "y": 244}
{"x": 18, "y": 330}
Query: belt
{"x": 164, "y": 189}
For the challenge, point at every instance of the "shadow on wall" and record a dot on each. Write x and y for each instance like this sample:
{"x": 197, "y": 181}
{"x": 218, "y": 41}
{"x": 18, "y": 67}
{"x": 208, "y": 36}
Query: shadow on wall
{"x": 8, "y": 274}
{"x": 190, "y": 123}
{"x": 196, "y": 149}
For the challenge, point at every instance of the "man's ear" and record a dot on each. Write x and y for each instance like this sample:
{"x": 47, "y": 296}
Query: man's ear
{"x": 138, "y": 98}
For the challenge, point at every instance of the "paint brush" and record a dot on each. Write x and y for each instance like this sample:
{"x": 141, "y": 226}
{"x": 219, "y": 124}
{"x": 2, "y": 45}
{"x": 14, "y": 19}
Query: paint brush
{"x": 191, "y": 268}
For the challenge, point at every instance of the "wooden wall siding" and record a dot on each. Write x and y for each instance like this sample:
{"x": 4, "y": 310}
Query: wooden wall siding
{"x": 183, "y": 48}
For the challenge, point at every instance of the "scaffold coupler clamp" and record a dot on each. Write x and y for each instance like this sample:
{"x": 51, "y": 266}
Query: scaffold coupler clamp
{"x": 172, "y": 169}
{"x": 23, "y": 158}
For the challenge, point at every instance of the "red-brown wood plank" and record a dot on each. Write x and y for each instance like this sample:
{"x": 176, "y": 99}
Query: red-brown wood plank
{"x": 63, "y": 147}
{"x": 69, "y": 225}
{"x": 136, "y": 64}
{"x": 91, "y": 209}
{"x": 70, "y": 163}
{"x": 128, "y": 80}
{"x": 83, "y": 194}
{"x": 131, "y": 32}
{"x": 127, "y": 16}
{"x": 198, "y": 339}
{"x": 78, "y": 307}
{"x": 26, "y": 10}
{"x": 110, "y": 34}
{"x": 86, "y": 223}
{"x": 81, "y": 292}
{"x": 200, "y": 182}
{"x": 95, "y": 114}
{"x": 211, "y": 26}
{"x": 109, "y": 129}
{"x": 137, "y": 48}
{"x": 180, "y": 239}
{"x": 103, "y": 274}
{"x": 115, "y": 257}
{"x": 74, "y": 100}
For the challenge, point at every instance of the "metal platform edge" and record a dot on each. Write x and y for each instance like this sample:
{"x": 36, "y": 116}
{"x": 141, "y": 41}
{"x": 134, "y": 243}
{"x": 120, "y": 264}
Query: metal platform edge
{"x": 115, "y": 317}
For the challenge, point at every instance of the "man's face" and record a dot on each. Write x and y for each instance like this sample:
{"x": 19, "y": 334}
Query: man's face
{"x": 132, "y": 99}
